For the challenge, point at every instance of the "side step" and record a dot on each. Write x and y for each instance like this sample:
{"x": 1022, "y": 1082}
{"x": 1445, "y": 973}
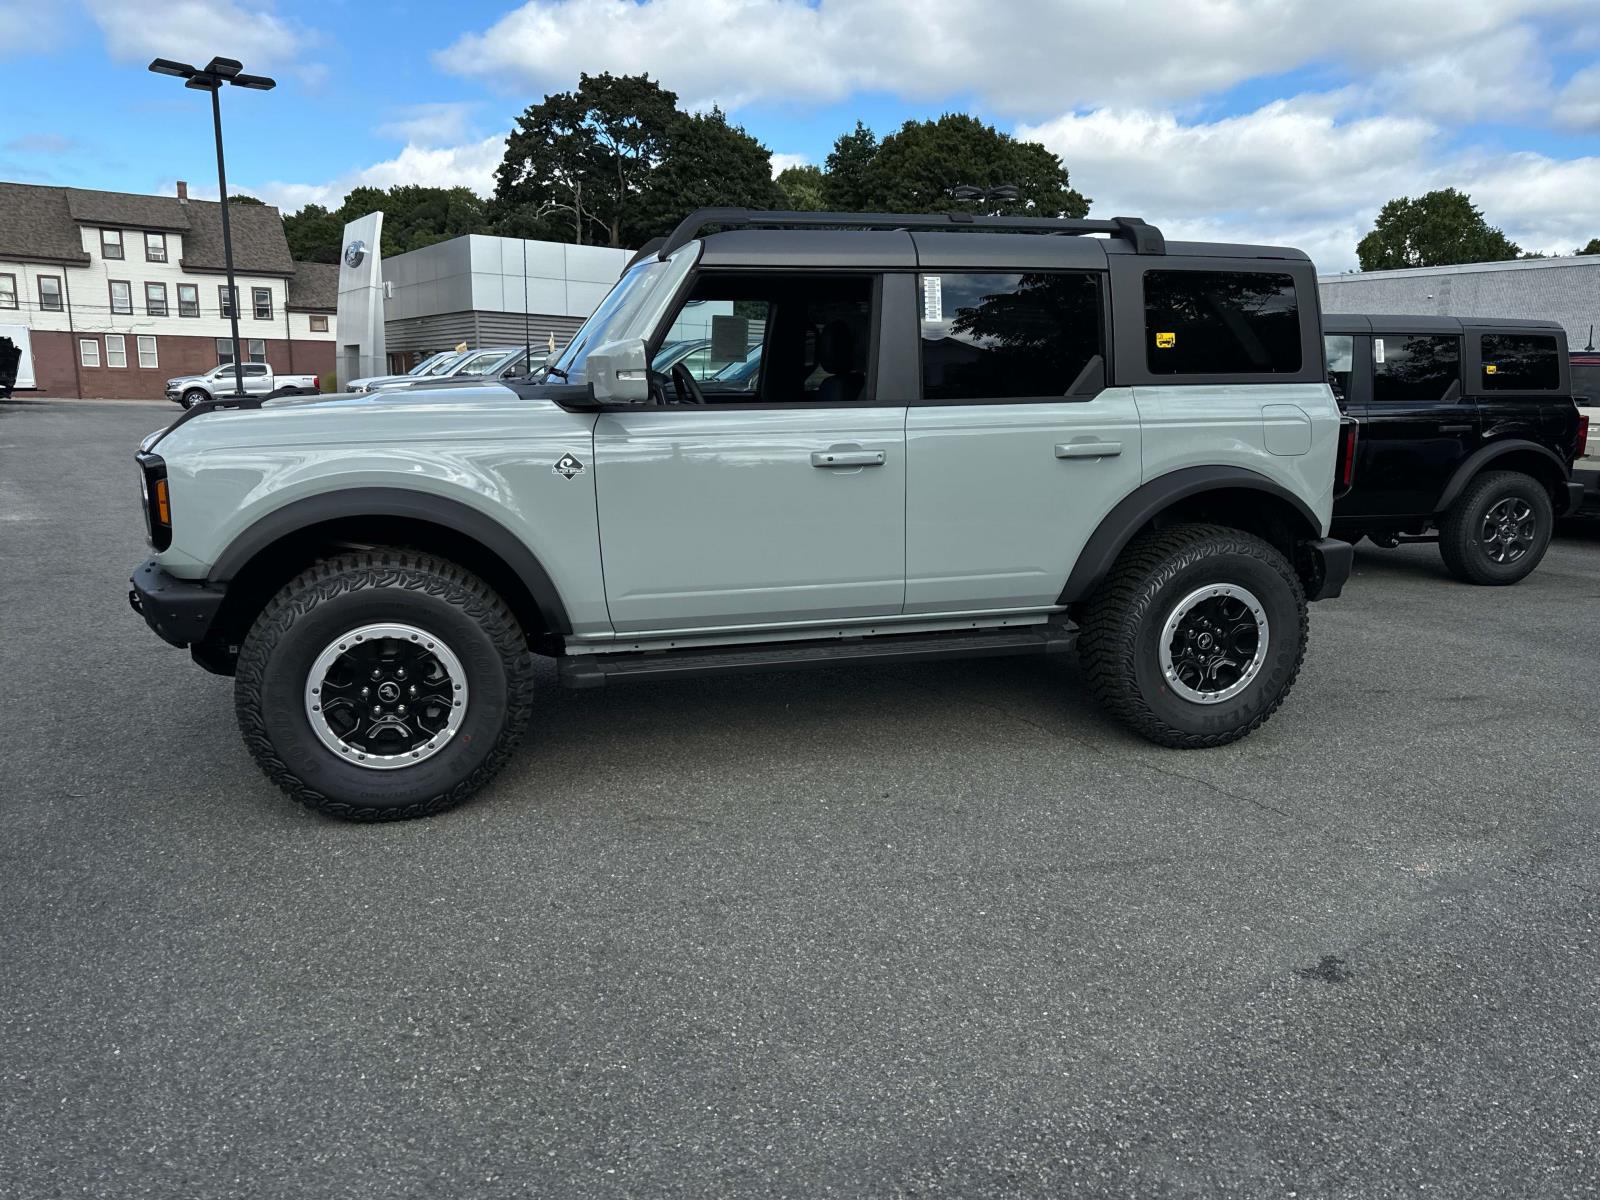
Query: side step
{"x": 595, "y": 670}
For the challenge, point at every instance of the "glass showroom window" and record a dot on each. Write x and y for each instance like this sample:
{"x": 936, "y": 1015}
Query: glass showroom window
{"x": 116, "y": 350}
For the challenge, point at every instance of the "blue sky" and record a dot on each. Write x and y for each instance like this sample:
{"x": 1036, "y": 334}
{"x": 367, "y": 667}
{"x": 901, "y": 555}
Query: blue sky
{"x": 1261, "y": 120}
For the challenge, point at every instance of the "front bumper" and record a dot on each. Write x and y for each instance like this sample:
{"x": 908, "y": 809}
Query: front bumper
{"x": 1326, "y": 565}
{"x": 181, "y": 611}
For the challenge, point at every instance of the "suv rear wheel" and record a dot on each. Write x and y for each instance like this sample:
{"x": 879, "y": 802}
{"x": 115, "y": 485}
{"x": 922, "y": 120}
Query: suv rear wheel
{"x": 1498, "y": 529}
{"x": 383, "y": 685}
{"x": 1196, "y": 636}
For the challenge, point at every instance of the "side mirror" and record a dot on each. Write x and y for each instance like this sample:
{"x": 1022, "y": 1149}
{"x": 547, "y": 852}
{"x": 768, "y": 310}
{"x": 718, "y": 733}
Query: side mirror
{"x": 619, "y": 372}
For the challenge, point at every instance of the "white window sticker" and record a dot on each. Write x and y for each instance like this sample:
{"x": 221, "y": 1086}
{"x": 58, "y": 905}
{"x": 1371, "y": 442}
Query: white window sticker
{"x": 932, "y": 298}
{"x": 1377, "y": 350}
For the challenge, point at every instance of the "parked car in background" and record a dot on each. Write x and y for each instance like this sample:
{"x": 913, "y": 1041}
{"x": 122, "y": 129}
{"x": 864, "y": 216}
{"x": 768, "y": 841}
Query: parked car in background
{"x": 434, "y": 364}
{"x": 493, "y": 362}
{"x": 1468, "y": 436}
{"x": 1586, "y": 391}
{"x": 259, "y": 380}
{"x": 693, "y": 353}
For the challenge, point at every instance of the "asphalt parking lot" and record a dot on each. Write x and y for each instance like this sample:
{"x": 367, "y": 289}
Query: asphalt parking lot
{"x": 938, "y": 930}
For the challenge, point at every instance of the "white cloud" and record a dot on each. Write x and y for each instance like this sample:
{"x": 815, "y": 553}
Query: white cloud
{"x": 1021, "y": 56}
{"x": 1578, "y": 106}
{"x": 430, "y": 124}
{"x": 782, "y": 162}
{"x": 193, "y": 30}
{"x": 27, "y": 28}
{"x": 469, "y": 165}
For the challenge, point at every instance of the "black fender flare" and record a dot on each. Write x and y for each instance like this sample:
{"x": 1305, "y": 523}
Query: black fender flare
{"x": 1485, "y": 455}
{"x": 1150, "y": 499}
{"x": 399, "y": 502}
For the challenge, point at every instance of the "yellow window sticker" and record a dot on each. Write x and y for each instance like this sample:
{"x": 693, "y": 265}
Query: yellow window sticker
{"x": 1166, "y": 341}
{"x": 1490, "y": 369}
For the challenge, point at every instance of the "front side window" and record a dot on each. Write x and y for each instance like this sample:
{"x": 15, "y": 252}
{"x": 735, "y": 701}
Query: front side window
{"x": 256, "y": 353}
{"x": 1221, "y": 323}
{"x": 1408, "y": 367}
{"x": 116, "y": 350}
{"x": 261, "y": 299}
{"x": 155, "y": 247}
{"x": 224, "y": 351}
{"x": 8, "y": 291}
{"x": 50, "y": 293}
{"x": 121, "y": 296}
{"x": 155, "y": 299}
{"x": 111, "y": 243}
{"x": 147, "y": 351}
{"x": 1338, "y": 352}
{"x": 1007, "y": 335}
{"x": 225, "y": 298}
{"x": 1520, "y": 362}
{"x": 188, "y": 300}
{"x": 89, "y": 352}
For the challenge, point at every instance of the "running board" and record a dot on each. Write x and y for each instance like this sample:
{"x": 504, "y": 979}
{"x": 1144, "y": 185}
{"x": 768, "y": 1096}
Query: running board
{"x": 595, "y": 670}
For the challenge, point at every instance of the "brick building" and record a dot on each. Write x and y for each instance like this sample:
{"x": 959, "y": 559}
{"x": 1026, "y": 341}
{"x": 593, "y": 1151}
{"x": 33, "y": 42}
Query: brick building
{"x": 111, "y": 294}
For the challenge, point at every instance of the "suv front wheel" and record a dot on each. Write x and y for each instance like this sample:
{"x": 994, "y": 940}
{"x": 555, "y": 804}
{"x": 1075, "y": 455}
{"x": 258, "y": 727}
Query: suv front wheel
{"x": 383, "y": 685}
{"x": 1196, "y": 636}
{"x": 1498, "y": 530}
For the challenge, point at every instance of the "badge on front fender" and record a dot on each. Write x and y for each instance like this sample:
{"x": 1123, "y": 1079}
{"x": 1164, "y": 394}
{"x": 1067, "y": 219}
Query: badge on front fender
{"x": 567, "y": 466}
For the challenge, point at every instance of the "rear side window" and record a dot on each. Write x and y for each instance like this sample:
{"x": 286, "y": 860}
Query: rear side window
{"x": 1520, "y": 362}
{"x": 1221, "y": 323}
{"x": 1586, "y": 383}
{"x": 1413, "y": 367}
{"x": 996, "y": 336}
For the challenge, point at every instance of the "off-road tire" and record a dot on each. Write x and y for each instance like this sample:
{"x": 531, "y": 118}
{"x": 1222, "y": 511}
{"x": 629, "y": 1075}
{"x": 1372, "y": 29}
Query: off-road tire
{"x": 1123, "y": 621}
{"x": 1459, "y": 540}
{"x": 339, "y": 594}
{"x": 194, "y": 396}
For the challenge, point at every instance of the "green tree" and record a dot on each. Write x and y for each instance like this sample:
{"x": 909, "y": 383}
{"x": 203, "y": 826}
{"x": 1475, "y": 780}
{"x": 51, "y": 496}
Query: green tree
{"x": 844, "y": 186}
{"x": 1592, "y": 248}
{"x": 314, "y": 234}
{"x": 803, "y": 187}
{"x": 705, "y": 162}
{"x": 915, "y": 168}
{"x": 580, "y": 161}
{"x": 413, "y": 217}
{"x": 240, "y": 198}
{"x": 1434, "y": 230}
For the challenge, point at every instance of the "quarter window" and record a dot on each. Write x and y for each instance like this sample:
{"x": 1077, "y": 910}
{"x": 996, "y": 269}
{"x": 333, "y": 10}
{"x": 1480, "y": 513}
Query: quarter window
{"x": 155, "y": 247}
{"x": 1520, "y": 363}
{"x": 188, "y": 300}
{"x": 116, "y": 350}
{"x": 1007, "y": 335}
{"x": 155, "y": 299}
{"x": 261, "y": 299}
{"x": 89, "y": 352}
{"x": 121, "y": 296}
{"x": 147, "y": 351}
{"x": 50, "y": 293}
{"x": 1221, "y": 323}
{"x": 111, "y": 243}
{"x": 1409, "y": 367}
{"x": 8, "y": 291}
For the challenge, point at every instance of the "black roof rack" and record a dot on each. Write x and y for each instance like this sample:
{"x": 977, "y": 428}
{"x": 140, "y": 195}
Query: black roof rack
{"x": 1145, "y": 239}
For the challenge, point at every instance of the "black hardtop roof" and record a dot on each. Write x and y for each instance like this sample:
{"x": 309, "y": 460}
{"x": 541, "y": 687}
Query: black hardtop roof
{"x": 1428, "y": 323}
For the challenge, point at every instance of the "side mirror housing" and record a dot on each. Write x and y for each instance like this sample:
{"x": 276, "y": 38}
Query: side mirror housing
{"x": 619, "y": 372}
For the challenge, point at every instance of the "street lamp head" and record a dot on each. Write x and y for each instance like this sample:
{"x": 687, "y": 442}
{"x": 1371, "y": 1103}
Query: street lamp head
{"x": 203, "y": 81}
{"x": 166, "y": 66}
{"x": 966, "y": 191}
{"x": 258, "y": 83}
{"x": 225, "y": 67}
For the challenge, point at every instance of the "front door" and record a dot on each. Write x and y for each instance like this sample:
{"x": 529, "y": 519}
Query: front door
{"x": 773, "y": 496}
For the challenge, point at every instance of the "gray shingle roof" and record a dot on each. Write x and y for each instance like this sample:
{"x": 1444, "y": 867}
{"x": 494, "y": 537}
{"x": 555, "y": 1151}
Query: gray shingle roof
{"x": 258, "y": 242}
{"x": 36, "y": 224}
{"x": 127, "y": 208}
{"x": 314, "y": 287}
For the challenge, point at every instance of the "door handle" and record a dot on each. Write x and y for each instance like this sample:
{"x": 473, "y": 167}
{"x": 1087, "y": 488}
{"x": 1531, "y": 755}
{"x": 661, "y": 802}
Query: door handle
{"x": 847, "y": 458}
{"x": 1088, "y": 449}
{"x": 1455, "y": 429}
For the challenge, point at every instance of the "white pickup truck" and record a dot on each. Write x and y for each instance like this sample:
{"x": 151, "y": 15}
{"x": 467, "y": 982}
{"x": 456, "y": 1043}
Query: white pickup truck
{"x": 1586, "y": 391}
{"x": 259, "y": 380}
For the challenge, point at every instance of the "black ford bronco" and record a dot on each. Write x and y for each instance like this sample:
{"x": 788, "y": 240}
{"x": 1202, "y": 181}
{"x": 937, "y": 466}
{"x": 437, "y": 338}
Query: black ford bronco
{"x": 1468, "y": 435}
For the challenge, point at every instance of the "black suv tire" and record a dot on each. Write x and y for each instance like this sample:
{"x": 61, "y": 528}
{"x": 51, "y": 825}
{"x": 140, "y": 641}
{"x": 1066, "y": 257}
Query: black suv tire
{"x": 1124, "y": 622}
{"x": 411, "y": 609}
{"x": 1467, "y": 553}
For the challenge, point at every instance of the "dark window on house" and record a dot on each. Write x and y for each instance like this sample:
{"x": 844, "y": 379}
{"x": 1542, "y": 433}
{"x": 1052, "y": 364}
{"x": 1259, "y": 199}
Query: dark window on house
{"x": 994, "y": 336}
{"x": 256, "y": 352}
{"x": 121, "y": 296}
{"x": 1221, "y": 323}
{"x": 224, "y": 351}
{"x": 319, "y": 323}
{"x": 1408, "y": 367}
{"x": 261, "y": 300}
{"x": 1519, "y": 362}
{"x": 188, "y": 300}
{"x": 1338, "y": 353}
{"x": 8, "y": 291}
{"x": 155, "y": 247}
{"x": 155, "y": 299}
{"x": 50, "y": 293}
{"x": 225, "y": 299}
{"x": 111, "y": 243}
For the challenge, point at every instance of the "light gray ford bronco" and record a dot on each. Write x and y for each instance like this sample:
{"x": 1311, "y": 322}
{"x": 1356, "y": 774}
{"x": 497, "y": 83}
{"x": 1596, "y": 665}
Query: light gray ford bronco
{"x": 909, "y": 437}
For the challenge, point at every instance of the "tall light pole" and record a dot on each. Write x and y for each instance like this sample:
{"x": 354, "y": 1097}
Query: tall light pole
{"x": 210, "y": 78}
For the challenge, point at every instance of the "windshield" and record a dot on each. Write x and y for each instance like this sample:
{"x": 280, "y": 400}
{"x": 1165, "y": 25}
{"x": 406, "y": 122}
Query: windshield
{"x": 432, "y": 363}
{"x": 476, "y": 364}
{"x": 630, "y": 309}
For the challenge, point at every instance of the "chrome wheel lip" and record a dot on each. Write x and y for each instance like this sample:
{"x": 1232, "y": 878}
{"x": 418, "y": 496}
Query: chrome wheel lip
{"x": 366, "y": 633}
{"x": 1508, "y": 530}
{"x": 1214, "y": 591}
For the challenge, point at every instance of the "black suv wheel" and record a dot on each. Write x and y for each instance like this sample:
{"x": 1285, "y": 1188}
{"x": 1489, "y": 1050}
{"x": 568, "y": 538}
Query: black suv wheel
{"x": 1498, "y": 529}
{"x": 383, "y": 685}
{"x": 1196, "y": 636}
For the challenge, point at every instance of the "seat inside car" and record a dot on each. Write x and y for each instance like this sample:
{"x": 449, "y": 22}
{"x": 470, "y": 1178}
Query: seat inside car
{"x": 841, "y": 354}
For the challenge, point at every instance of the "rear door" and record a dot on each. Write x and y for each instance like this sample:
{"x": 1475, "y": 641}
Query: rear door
{"x": 1523, "y": 389}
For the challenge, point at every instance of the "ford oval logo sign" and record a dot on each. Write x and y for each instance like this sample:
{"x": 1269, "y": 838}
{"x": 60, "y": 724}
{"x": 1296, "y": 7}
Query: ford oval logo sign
{"x": 354, "y": 253}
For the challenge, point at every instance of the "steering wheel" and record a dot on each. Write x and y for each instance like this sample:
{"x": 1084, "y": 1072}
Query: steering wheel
{"x": 684, "y": 384}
